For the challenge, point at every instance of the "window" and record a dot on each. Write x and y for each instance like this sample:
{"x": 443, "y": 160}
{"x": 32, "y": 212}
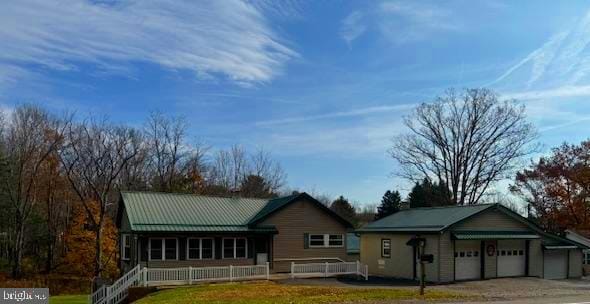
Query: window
{"x": 316, "y": 240}
{"x": 163, "y": 249}
{"x": 336, "y": 240}
{"x": 170, "y": 247}
{"x": 235, "y": 248}
{"x": 193, "y": 247}
{"x": 126, "y": 246}
{"x": 386, "y": 248}
{"x": 207, "y": 249}
{"x": 476, "y": 253}
{"x": 586, "y": 257}
{"x": 199, "y": 248}
{"x": 155, "y": 249}
{"x": 326, "y": 240}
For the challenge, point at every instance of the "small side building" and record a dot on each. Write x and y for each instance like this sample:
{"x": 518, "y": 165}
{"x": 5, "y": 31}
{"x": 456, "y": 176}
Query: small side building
{"x": 582, "y": 237}
{"x": 468, "y": 243}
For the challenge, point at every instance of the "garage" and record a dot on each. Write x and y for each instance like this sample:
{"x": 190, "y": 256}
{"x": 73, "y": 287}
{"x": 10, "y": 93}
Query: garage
{"x": 555, "y": 264}
{"x": 467, "y": 260}
{"x": 511, "y": 258}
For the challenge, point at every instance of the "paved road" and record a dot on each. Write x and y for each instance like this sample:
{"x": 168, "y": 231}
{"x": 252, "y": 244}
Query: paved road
{"x": 579, "y": 299}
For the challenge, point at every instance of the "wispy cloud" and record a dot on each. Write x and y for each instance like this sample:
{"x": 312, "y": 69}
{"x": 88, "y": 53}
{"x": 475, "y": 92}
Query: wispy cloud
{"x": 338, "y": 114}
{"x": 562, "y": 61}
{"x": 229, "y": 38}
{"x": 400, "y": 21}
{"x": 352, "y": 27}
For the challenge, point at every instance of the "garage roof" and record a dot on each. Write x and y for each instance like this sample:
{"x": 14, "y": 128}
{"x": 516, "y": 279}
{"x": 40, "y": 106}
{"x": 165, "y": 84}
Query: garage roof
{"x": 431, "y": 219}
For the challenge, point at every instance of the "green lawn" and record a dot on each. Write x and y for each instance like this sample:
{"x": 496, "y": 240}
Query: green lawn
{"x": 70, "y": 299}
{"x": 268, "y": 292}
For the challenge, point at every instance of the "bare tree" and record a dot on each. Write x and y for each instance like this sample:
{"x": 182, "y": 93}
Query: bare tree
{"x": 32, "y": 136}
{"x": 166, "y": 139}
{"x": 263, "y": 165}
{"x": 466, "y": 141}
{"x": 93, "y": 158}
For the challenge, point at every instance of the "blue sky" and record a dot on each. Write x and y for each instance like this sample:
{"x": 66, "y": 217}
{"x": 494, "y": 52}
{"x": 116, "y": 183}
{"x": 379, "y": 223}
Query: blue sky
{"x": 323, "y": 85}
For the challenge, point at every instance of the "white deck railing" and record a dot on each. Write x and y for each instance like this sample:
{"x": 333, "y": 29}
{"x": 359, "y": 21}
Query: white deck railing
{"x": 117, "y": 292}
{"x": 188, "y": 275}
{"x": 329, "y": 269}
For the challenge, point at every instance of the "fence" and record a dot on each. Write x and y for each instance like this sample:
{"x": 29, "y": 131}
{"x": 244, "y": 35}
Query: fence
{"x": 188, "y": 275}
{"x": 329, "y": 269}
{"x": 116, "y": 293}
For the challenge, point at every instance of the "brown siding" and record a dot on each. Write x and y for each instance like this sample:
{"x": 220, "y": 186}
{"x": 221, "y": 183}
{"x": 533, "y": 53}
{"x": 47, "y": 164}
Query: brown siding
{"x": 492, "y": 219}
{"x": 575, "y": 263}
{"x": 292, "y": 222}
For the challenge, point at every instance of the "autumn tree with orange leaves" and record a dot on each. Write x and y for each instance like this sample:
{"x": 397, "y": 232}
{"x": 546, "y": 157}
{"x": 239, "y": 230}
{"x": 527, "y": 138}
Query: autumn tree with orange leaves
{"x": 557, "y": 188}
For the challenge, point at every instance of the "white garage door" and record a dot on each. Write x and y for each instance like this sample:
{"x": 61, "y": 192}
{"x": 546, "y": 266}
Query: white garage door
{"x": 555, "y": 264}
{"x": 511, "y": 258}
{"x": 467, "y": 260}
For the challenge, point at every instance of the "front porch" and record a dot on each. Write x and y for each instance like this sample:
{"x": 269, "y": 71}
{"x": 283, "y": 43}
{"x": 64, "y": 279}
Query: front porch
{"x": 181, "y": 250}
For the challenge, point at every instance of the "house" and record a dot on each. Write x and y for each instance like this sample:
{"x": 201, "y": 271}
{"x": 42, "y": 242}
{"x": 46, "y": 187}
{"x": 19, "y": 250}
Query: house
{"x": 582, "y": 237}
{"x": 467, "y": 243}
{"x": 180, "y": 230}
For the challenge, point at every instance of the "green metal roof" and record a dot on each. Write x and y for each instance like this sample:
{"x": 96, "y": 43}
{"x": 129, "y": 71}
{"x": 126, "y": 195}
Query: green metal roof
{"x": 431, "y": 219}
{"x": 272, "y": 206}
{"x": 153, "y": 211}
{"x": 494, "y": 235}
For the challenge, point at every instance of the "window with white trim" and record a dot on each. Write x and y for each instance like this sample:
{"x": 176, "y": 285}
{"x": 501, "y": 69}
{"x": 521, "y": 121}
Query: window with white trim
{"x": 199, "y": 248}
{"x": 235, "y": 248}
{"x": 586, "y": 260}
{"x": 326, "y": 240}
{"x": 163, "y": 249}
{"x": 385, "y": 248}
{"x": 126, "y": 247}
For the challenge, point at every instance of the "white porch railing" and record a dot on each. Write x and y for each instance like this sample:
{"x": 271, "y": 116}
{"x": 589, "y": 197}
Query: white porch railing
{"x": 329, "y": 269}
{"x": 116, "y": 293}
{"x": 188, "y": 275}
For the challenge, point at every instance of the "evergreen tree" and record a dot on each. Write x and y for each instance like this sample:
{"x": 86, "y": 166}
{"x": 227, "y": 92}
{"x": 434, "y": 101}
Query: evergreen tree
{"x": 343, "y": 208}
{"x": 428, "y": 194}
{"x": 390, "y": 204}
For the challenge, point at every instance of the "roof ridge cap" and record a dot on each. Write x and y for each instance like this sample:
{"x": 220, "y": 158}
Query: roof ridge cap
{"x": 194, "y": 195}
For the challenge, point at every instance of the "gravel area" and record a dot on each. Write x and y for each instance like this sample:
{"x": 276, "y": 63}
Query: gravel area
{"x": 514, "y": 288}
{"x": 494, "y": 290}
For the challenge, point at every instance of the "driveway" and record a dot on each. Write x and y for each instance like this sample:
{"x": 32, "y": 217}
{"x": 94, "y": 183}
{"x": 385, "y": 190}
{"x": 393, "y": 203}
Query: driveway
{"x": 520, "y": 288}
{"x": 509, "y": 290}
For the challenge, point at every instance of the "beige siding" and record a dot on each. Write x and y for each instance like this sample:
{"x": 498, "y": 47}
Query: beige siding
{"x": 400, "y": 264}
{"x": 447, "y": 258}
{"x": 535, "y": 259}
{"x": 491, "y": 219}
{"x": 491, "y": 262}
{"x": 575, "y": 263}
{"x": 295, "y": 220}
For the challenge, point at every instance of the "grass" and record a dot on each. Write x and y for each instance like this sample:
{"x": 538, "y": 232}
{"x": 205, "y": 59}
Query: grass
{"x": 70, "y": 299}
{"x": 269, "y": 292}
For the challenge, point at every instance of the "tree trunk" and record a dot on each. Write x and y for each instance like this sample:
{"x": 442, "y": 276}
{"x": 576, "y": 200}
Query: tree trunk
{"x": 18, "y": 250}
{"x": 98, "y": 251}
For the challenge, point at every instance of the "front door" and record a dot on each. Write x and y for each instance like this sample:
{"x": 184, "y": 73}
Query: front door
{"x": 261, "y": 250}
